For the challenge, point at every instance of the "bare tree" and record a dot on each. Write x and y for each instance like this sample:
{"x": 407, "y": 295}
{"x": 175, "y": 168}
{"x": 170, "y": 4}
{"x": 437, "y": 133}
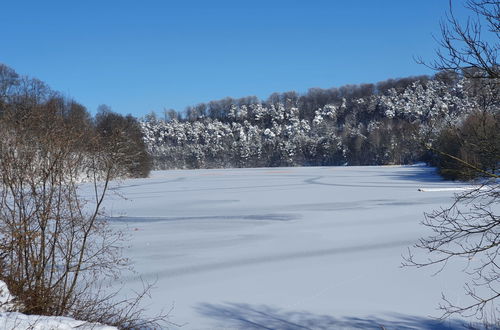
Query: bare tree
{"x": 123, "y": 139}
{"x": 56, "y": 248}
{"x": 48, "y": 231}
{"x": 469, "y": 229}
{"x": 464, "y": 46}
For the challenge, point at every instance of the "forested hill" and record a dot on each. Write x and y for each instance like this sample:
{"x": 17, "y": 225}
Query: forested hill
{"x": 391, "y": 122}
{"x": 399, "y": 121}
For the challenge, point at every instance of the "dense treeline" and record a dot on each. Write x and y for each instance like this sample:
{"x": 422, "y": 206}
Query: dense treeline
{"x": 471, "y": 147}
{"x": 392, "y": 122}
{"x": 398, "y": 121}
{"x": 28, "y": 106}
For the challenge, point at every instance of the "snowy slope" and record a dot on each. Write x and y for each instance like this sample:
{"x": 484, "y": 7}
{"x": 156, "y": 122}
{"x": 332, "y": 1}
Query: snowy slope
{"x": 286, "y": 248}
{"x": 14, "y": 320}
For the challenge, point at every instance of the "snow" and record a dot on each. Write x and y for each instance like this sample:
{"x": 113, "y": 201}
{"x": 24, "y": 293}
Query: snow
{"x": 15, "y": 320}
{"x": 286, "y": 248}
{"x": 458, "y": 189}
{"x": 6, "y": 299}
{"x": 35, "y": 322}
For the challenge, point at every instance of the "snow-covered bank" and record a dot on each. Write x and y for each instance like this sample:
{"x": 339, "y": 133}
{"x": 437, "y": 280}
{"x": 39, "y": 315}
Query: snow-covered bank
{"x": 312, "y": 247}
{"x": 14, "y": 320}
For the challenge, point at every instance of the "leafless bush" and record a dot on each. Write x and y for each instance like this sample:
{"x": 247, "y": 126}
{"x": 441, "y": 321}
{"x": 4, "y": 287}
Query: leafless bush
{"x": 55, "y": 245}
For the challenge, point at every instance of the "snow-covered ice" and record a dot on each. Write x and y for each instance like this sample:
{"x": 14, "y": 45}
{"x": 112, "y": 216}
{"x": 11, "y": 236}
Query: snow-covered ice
{"x": 457, "y": 189}
{"x": 286, "y": 248}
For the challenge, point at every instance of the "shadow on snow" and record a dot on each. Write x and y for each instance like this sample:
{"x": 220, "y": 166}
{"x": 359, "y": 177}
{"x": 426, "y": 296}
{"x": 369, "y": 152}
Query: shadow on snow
{"x": 244, "y": 316}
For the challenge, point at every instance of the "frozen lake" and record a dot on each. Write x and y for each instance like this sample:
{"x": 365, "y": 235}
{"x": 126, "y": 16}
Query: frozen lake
{"x": 285, "y": 248}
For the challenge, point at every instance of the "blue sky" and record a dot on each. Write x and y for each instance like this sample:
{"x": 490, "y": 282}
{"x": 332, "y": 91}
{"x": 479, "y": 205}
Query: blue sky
{"x": 138, "y": 56}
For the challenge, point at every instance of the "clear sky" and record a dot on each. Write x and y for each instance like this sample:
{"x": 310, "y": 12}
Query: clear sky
{"x": 143, "y": 55}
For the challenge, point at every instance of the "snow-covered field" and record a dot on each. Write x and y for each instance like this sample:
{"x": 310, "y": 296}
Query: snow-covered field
{"x": 286, "y": 248}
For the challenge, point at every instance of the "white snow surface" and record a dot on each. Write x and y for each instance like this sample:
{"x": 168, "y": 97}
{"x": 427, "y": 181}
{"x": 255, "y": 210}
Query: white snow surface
{"x": 6, "y": 299}
{"x": 457, "y": 189}
{"x": 15, "y": 320}
{"x": 286, "y": 248}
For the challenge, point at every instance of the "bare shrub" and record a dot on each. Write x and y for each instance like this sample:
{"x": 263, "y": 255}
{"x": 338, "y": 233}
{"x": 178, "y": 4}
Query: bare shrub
{"x": 55, "y": 245}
